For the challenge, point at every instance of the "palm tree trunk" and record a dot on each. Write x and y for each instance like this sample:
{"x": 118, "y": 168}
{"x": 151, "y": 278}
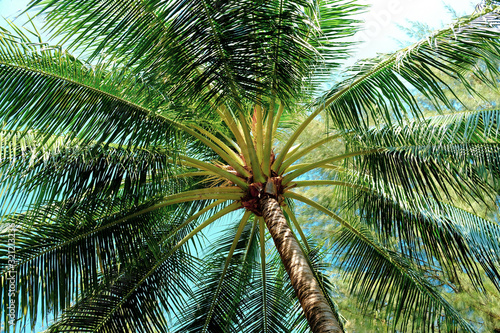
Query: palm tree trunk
{"x": 316, "y": 309}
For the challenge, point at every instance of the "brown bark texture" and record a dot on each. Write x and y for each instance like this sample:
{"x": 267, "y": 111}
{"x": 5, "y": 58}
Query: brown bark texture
{"x": 316, "y": 309}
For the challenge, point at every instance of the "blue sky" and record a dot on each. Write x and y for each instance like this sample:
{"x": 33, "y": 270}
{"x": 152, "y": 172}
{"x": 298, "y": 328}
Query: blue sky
{"x": 8, "y": 8}
{"x": 381, "y": 22}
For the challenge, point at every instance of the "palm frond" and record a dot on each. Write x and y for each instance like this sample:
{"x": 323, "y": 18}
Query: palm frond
{"x": 473, "y": 127}
{"x": 271, "y": 305}
{"x": 222, "y": 50}
{"x": 139, "y": 298}
{"x": 375, "y": 273}
{"x": 72, "y": 171}
{"x": 434, "y": 235}
{"x": 45, "y": 88}
{"x": 66, "y": 249}
{"x": 36, "y": 171}
{"x": 382, "y": 88}
{"x": 229, "y": 288}
{"x": 450, "y": 153}
{"x": 440, "y": 171}
{"x": 335, "y": 22}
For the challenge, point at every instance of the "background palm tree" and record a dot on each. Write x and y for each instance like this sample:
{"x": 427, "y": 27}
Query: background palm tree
{"x": 179, "y": 113}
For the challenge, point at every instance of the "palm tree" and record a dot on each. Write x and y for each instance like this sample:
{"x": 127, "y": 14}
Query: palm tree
{"x": 177, "y": 114}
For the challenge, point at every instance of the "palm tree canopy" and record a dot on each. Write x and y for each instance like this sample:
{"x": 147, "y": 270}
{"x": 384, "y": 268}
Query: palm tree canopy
{"x": 145, "y": 122}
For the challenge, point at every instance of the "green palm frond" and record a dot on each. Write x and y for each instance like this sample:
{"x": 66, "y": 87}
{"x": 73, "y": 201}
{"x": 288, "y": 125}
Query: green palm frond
{"x": 375, "y": 272}
{"x": 481, "y": 126}
{"x": 426, "y": 231}
{"x": 434, "y": 234}
{"x": 454, "y": 153}
{"x": 215, "y": 306}
{"x": 271, "y": 303}
{"x": 441, "y": 171}
{"x": 270, "y": 298}
{"x": 38, "y": 170}
{"x": 335, "y": 22}
{"x": 383, "y": 88}
{"x": 67, "y": 249}
{"x": 449, "y": 157}
{"x": 137, "y": 299}
{"x": 273, "y": 43}
{"x": 92, "y": 171}
{"x": 26, "y": 147}
{"x": 47, "y": 89}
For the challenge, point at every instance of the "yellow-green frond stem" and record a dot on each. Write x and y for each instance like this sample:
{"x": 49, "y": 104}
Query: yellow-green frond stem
{"x": 215, "y": 169}
{"x": 228, "y": 119}
{"x": 194, "y": 174}
{"x": 326, "y": 166}
{"x": 241, "y": 227}
{"x": 311, "y": 166}
{"x": 231, "y": 208}
{"x": 254, "y": 161}
{"x": 220, "y": 193}
{"x": 241, "y": 141}
{"x": 293, "y": 150}
{"x": 306, "y": 183}
{"x": 234, "y": 161}
{"x": 295, "y": 222}
{"x": 277, "y": 119}
{"x": 259, "y": 129}
{"x": 329, "y": 213}
{"x": 221, "y": 144}
{"x": 232, "y": 123}
{"x": 343, "y": 222}
{"x": 198, "y": 214}
{"x": 296, "y": 156}
{"x": 268, "y": 142}
{"x": 234, "y": 127}
{"x": 235, "y": 145}
{"x": 192, "y": 218}
{"x": 293, "y": 138}
{"x": 272, "y": 126}
{"x": 232, "y": 192}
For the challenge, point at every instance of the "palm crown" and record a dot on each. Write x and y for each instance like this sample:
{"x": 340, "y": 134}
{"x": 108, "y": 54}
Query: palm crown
{"x": 177, "y": 114}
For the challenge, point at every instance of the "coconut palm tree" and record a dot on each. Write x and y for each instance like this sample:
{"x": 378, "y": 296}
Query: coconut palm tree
{"x": 170, "y": 116}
